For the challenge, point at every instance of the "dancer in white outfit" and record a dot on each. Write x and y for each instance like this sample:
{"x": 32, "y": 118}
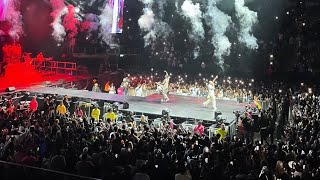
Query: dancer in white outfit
{"x": 211, "y": 94}
{"x": 164, "y": 87}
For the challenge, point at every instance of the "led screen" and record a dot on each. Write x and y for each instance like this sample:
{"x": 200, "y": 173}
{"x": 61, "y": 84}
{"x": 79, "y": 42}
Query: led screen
{"x": 117, "y": 20}
{"x": 3, "y": 9}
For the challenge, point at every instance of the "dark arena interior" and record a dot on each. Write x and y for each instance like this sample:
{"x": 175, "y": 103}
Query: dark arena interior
{"x": 159, "y": 89}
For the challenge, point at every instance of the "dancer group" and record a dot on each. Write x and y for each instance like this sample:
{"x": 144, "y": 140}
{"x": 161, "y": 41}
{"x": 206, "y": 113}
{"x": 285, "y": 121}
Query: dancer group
{"x": 163, "y": 88}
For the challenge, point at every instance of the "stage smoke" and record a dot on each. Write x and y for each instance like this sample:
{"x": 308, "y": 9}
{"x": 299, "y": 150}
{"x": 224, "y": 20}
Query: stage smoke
{"x": 14, "y": 18}
{"x": 153, "y": 27}
{"x": 219, "y": 23}
{"x": 161, "y": 4}
{"x": 194, "y": 14}
{"x": 70, "y": 24}
{"x": 59, "y": 9}
{"x": 90, "y": 24}
{"x": 247, "y": 18}
{"x": 106, "y": 18}
{"x": 147, "y": 20}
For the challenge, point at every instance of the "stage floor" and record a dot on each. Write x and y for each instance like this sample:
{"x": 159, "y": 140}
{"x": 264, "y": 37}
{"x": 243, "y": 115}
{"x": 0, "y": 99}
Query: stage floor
{"x": 22, "y": 83}
{"x": 178, "y": 106}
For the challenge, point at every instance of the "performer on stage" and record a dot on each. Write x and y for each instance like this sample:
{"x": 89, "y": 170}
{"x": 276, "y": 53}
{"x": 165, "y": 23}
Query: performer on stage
{"x": 125, "y": 85}
{"x": 164, "y": 87}
{"x": 96, "y": 88}
{"x": 211, "y": 94}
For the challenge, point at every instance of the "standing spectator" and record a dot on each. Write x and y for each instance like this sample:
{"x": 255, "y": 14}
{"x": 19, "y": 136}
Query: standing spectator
{"x": 61, "y": 109}
{"x": 33, "y": 104}
{"x": 29, "y": 159}
{"x": 95, "y": 114}
{"x": 120, "y": 90}
{"x": 110, "y": 115}
{"x": 46, "y": 106}
{"x": 141, "y": 174}
{"x": 263, "y": 126}
{"x": 183, "y": 173}
{"x": 247, "y": 125}
{"x": 107, "y": 87}
{"x": 222, "y": 131}
{"x": 84, "y": 167}
{"x": 78, "y": 112}
{"x": 58, "y": 163}
{"x": 66, "y": 102}
{"x": 199, "y": 129}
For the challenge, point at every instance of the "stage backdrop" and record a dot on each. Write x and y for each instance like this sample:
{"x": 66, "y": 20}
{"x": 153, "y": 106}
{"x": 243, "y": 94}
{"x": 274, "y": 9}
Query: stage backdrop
{"x": 117, "y": 22}
{"x": 3, "y": 9}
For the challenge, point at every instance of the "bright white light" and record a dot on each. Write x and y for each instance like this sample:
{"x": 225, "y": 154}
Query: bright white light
{"x": 277, "y": 17}
{"x": 76, "y": 10}
{"x": 303, "y": 24}
{"x": 121, "y": 55}
{"x": 271, "y": 55}
{"x": 288, "y": 12}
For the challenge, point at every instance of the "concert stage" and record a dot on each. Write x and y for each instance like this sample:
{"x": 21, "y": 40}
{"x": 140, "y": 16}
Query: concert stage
{"x": 178, "y": 106}
{"x": 22, "y": 83}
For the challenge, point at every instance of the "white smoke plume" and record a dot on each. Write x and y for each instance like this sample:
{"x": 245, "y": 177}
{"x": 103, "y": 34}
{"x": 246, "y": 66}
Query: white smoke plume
{"x": 219, "y": 23}
{"x": 14, "y": 18}
{"x": 194, "y": 14}
{"x": 154, "y": 27}
{"x": 58, "y": 10}
{"x": 90, "y": 24}
{"x": 161, "y": 5}
{"x": 146, "y": 20}
{"x": 247, "y": 19}
{"x": 106, "y": 17}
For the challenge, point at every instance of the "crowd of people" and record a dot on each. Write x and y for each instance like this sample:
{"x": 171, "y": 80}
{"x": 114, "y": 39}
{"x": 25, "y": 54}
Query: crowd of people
{"x": 63, "y": 138}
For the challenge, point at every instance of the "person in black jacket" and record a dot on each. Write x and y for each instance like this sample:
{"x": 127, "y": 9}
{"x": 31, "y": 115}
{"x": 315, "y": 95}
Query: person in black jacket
{"x": 263, "y": 126}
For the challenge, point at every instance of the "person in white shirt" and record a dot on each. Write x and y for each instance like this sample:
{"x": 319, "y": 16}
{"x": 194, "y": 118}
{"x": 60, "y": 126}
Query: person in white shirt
{"x": 211, "y": 94}
{"x": 164, "y": 87}
{"x": 139, "y": 90}
{"x": 112, "y": 89}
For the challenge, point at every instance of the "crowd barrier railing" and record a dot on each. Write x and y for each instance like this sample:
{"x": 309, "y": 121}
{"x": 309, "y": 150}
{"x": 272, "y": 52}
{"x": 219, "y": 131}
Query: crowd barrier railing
{"x": 10, "y": 171}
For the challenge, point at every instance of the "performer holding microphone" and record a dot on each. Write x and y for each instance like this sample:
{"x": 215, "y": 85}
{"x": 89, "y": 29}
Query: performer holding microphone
{"x": 211, "y": 94}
